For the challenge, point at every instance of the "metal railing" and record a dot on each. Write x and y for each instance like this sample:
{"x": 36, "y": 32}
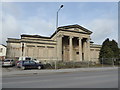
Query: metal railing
{"x": 55, "y": 63}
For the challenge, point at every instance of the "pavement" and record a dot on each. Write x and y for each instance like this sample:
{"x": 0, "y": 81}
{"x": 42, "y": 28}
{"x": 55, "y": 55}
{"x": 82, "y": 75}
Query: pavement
{"x": 15, "y": 71}
{"x": 63, "y": 78}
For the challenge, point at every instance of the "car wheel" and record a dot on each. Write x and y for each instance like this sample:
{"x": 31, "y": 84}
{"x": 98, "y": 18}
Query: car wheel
{"x": 39, "y": 67}
{"x": 23, "y": 68}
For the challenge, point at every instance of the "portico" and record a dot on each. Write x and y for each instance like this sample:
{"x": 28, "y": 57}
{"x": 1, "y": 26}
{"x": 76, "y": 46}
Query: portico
{"x": 73, "y": 48}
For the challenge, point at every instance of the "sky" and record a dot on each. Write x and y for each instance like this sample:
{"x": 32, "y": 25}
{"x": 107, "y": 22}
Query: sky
{"x": 39, "y": 18}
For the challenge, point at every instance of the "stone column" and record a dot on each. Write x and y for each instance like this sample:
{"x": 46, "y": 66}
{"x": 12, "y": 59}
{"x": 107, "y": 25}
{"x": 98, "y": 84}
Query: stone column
{"x": 46, "y": 53}
{"x": 21, "y": 49}
{"x": 85, "y": 50}
{"x": 80, "y": 49}
{"x": 71, "y": 48}
{"x": 88, "y": 49}
{"x": 36, "y": 52}
{"x": 24, "y": 50}
{"x": 59, "y": 47}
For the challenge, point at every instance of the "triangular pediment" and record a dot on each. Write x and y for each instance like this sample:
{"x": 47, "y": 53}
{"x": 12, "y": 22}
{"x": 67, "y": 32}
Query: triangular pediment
{"x": 75, "y": 28}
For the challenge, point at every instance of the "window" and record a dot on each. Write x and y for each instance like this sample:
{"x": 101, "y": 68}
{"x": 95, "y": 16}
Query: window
{"x": 97, "y": 50}
{"x": 49, "y": 47}
{"x": 92, "y": 50}
{"x": 32, "y": 62}
{"x": 62, "y": 52}
{"x": 41, "y": 46}
{"x": 27, "y": 58}
{"x": 6, "y": 60}
{"x": 77, "y": 52}
{"x": 26, "y": 62}
{"x": 1, "y": 49}
{"x": 30, "y": 46}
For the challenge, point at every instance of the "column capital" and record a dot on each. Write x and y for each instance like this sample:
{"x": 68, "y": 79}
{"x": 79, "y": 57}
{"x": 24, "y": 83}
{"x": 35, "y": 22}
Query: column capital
{"x": 88, "y": 39}
{"x": 61, "y": 35}
{"x": 80, "y": 38}
{"x": 70, "y": 37}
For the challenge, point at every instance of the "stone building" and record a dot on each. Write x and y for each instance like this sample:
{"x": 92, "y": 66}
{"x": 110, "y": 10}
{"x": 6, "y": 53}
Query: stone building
{"x": 2, "y": 52}
{"x": 67, "y": 43}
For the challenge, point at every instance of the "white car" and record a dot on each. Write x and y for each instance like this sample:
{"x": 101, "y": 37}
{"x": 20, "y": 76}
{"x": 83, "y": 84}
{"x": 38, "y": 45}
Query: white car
{"x": 8, "y": 62}
{"x": 24, "y": 58}
{"x": 35, "y": 60}
{"x": 28, "y": 58}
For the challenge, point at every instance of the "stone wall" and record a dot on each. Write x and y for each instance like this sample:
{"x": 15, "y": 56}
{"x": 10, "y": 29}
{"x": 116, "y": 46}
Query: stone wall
{"x": 94, "y": 52}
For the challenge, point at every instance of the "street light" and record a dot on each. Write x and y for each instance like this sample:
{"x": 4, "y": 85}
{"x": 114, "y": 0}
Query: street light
{"x": 57, "y": 16}
{"x": 57, "y": 37}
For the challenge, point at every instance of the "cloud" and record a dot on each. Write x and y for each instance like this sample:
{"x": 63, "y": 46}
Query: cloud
{"x": 13, "y": 26}
{"x": 0, "y": 23}
{"x": 10, "y": 27}
{"x": 36, "y": 25}
{"x": 14, "y": 23}
{"x": 102, "y": 29}
{"x": 12, "y": 9}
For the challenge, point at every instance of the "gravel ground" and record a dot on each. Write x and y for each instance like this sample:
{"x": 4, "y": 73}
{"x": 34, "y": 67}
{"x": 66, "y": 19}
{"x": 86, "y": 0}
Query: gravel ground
{"x": 9, "y": 69}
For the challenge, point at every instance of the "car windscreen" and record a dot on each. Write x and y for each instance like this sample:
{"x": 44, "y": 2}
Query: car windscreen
{"x": 7, "y": 60}
{"x": 34, "y": 59}
{"x": 32, "y": 62}
{"x": 27, "y": 58}
{"x": 26, "y": 62}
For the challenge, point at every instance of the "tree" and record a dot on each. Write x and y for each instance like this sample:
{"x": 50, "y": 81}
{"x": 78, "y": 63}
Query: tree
{"x": 105, "y": 49}
{"x": 114, "y": 47}
{"x": 108, "y": 51}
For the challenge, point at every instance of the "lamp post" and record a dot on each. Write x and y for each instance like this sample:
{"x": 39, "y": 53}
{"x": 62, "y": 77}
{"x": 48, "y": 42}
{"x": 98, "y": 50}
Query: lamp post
{"x": 57, "y": 37}
{"x": 57, "y": 16}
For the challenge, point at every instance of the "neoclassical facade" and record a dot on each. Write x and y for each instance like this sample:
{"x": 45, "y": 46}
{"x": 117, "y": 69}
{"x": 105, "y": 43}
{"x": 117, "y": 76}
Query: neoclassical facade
{"x": 67, "y": 43}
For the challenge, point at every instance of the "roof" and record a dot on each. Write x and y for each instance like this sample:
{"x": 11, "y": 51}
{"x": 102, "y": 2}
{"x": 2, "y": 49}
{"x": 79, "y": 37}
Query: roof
{"x": 3, "y": 45}
{"x": 35, "y": 36}
{"x": 62, "y": 28}
{"x": 75, "y": 26}
{"x": 72, "y": 26}
{"x": 91, "y": 42}
{"x": 95, "y": 46}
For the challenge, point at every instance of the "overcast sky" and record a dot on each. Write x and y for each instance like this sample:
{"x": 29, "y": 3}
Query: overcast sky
{"x": 40, "y": 18}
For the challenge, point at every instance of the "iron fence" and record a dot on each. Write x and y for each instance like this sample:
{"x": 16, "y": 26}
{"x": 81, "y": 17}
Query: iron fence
{"x": 55, "y": 63}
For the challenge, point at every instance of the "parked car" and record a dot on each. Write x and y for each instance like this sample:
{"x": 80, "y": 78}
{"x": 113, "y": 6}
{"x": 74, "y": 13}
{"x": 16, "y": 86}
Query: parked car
{"x": 27, "y": 64}
{"x": 35, "y": 60}
{"x": 8, "y": 62}
{"x": 26, "y": 58}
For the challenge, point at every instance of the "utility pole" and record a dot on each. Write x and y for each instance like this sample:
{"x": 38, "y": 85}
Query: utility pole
{"x": 57, "y": 16}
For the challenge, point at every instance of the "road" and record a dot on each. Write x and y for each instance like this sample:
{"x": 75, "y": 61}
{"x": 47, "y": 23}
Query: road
{"x": 81, "y": 79}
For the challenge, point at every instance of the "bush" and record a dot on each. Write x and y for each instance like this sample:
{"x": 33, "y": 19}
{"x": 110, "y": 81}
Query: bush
{"x": 48, "y": 66}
